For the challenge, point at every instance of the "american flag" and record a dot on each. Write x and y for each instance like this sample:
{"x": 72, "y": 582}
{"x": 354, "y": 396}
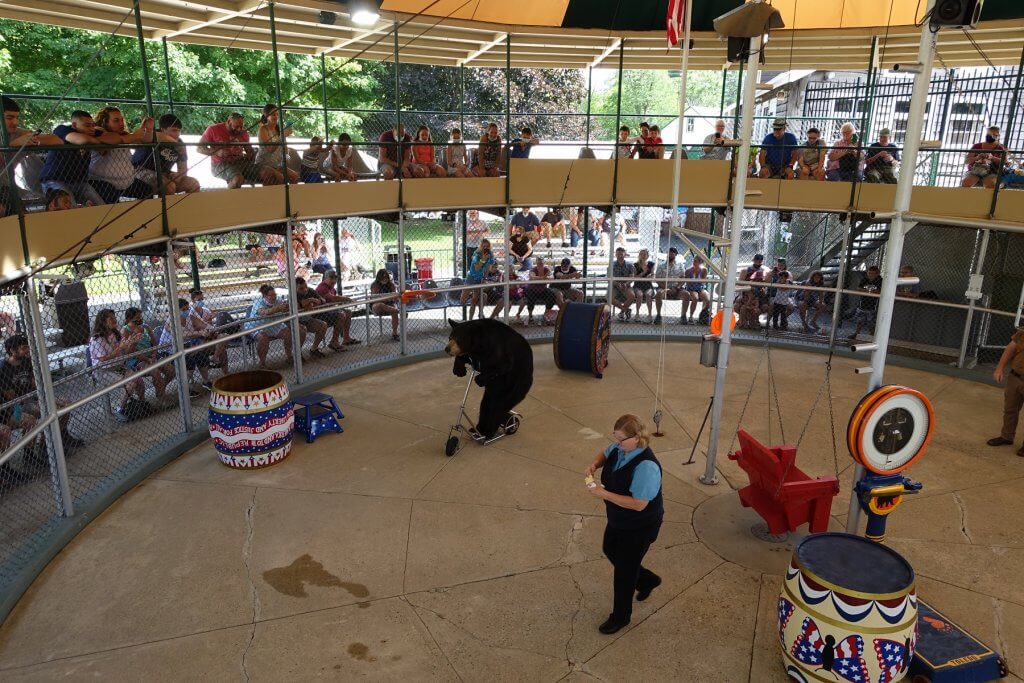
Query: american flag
{"x": 674, "y": 21}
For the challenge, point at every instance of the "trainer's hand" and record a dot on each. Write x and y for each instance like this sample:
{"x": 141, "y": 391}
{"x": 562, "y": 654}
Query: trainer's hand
{"x": 598, "y": 491}
{"x": 590, "y": 471}
{"x": 998, "y": 375}
{"x": 459, "y": 370}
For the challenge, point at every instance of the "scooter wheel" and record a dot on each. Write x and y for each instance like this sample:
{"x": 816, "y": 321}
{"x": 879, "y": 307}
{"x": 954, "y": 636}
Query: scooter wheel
{"x": 512, "y": 426}
{"x": 452, "y": 446}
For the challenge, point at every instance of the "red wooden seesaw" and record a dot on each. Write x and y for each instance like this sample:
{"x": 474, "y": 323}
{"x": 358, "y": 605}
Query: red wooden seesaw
{"x": 779, "y": 491}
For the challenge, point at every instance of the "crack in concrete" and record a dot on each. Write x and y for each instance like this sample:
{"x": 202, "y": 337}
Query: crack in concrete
{"x": 998, "y": 614}
{"x": 470, "y": 634}
{"x": 757, "y": 617}
{"x": 426, "y": 628}
{"x": 247, "y": 559}
{"x": 963, "y": 518}
{"x": 572, "y": 622}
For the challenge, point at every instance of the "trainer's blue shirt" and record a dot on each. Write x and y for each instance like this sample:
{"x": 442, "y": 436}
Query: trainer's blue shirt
{"x": 646, "y": 477}
{"x": 778, "y": 152}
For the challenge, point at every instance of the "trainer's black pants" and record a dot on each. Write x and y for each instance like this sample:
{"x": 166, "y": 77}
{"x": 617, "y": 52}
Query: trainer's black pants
{"x": 626, "y": 550}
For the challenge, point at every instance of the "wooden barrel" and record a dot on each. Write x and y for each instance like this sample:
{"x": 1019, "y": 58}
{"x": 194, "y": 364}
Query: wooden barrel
{"x": 251, "y": 419}
{"x": 848, "y": 611}
{"x": 582, "y": 336}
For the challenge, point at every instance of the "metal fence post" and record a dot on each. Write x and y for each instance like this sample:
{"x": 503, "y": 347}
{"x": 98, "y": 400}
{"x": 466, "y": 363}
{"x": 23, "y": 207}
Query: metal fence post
{"x": 178, "y": 336}
{"x": 293, "y": 302}
{"x": 44, "y": 386}
{"x": 323, "y": 86}
{"x": 590, "y": 90}
{"x": 977, "y": 267}
{"x": 1011, "y": 122}
{"x": 280, "y": 113}
{"x": 844, "y": 253}
{"x": 402, "y": 277}
{"x": 167, "y": 74}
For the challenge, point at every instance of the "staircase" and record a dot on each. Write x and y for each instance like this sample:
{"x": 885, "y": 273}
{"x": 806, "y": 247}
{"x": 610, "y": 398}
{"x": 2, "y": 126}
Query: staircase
{"x": 866, "y": 237}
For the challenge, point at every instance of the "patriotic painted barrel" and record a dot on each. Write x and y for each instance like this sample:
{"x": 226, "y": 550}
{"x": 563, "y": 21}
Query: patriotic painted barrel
{"x": 848, "y": 611}
{"x": 251, "y": 419}
{"x": 582, "y": 336}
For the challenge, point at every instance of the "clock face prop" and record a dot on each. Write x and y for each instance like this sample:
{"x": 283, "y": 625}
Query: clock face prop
{"x": 890, "y": 428}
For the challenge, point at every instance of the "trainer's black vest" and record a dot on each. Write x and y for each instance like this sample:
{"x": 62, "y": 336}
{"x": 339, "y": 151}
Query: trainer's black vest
{"x": 618, "y": 481}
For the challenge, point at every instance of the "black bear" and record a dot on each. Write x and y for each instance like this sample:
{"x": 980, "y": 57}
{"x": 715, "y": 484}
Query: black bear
{"x": 503, "y": 360}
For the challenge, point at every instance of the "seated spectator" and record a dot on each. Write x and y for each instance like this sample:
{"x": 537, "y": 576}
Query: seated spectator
{"x": 844, "y": 159}
{"x": 625, "y": 147}
{"x": 748, "y": 310}
{"x": 476, "y": 230}
{"x": 488, "y": 155}
{"x": 142, "y": 352}
{"x": 643, "y": 289}
{"x": 270, "y": 157}
{"x": 553, "y": 223}
{"x": 479, "y": 265}
{"x": 782, "y": 303}
{"x": 322, "y": 261}
{"x": 328, "y": 291}
{"x": 812, "y": 300}
{"x": 656, "y": 150}
{"x": 339, "y": 163}
{"x": 171, "y": 153}
{"x": 59, "y": 200}
{"x": 529, "y": 223}
{"x": 265, "y": 307}
{"x": 883, "y": 156}
{"x": 521, "y": 146}
{"x": 985, "y": 161}
{"x": 209, "y": 319}
{"x": 22, "y": 138}
{"x": 755, "y": 273}
{"x": 112, "y": 171}
{"x": 313, "y": 161}
{"x": 641, "y": 150}
{"x": 696, "y": 292}
{"x": 384, "y": 285}
{"x": 520, "y": 249}
{"x": 564, "y": 291}
{"x": 193, "y": 333}
{"x": 812, "y": 160}
{"x": 232, "y": 158}
{"x": 455, "y": 156}
{"x": 394, "y": 153}
{"x": 424, "y": 156}
{"x": 779, "y": 152}
{"x": 495, "y": 294}
{"x": 537, "y": 292}
{"x": 253, "y": 247}
{"x": 577, "y": 225}
{"x": 908, "y": 291}
{"x": 670, "y": 270}
{"x": 349, "y": 249}
{"x": 714, "y": 144}
{"x": 622, "y": 291}
{"x": 867, "y": 307}
{"x": 107, "y": 351}
{"x": 308, "y": 299}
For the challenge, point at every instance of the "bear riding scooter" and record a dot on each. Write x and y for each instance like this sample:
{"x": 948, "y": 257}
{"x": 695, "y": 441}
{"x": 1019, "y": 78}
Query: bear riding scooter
{"x": 465, "y": 425}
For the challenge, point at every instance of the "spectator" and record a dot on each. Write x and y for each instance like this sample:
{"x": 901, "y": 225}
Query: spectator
{"x": 1013, "y": 394}
{"x": 643, "y": 288}
{"x": 748, "y": 309}
{"x": 322, "y": 260}
{"x": 383, "y": 285}
{"x": 328, "y": 291}
{"x": 656, "y": 150}
{"x": 537, "y": 292}
{"x": 21, "y": 138}
{"x": 476, "y": 230}
{"x": 985, "y": 161}
{"x": 812, "y": 159}
{"x": 171, "y": 152}
{"x": 782, "y": 303}
{"x": 495, "y": 294}
{"x": 564, "y": 291}
{"x": 521, "y": 146}
{"x": 395, "y": 153}
{"x": 423, "y": 156}
{"x": 59, "y": 200}
{"x": 622, "y": 293}
{"x": 107, "y": 349}
{"x": 696, "y": 292}
{"x": 307, "y": 300}
{"x": 641, "y": 150}
{"x": 528, "y": 221}
{"x": 667, "y": 271}
{"x": 270, "y": 157}
{"x": 208, "y": 317}
{"x": 755, "y": 273}
{"x": 908, "y": 291}
{"x": 253, "y": 247}
{"x": 577, "y": 224}
{"x": 882, "y": 159}
{"x": 267, "y": 307}
{"x": 339, "y": 162}
{"x": 315, "y": 158}
{"x": 194, "y": 331}
{"x": 626, "y": 146}
{"x": 714, "y": 144}
{"x": 867, "y": 307}
{"x": 349, "y": 249}
{"x": 488, "y": 159}
{"x": 111, "y": 172}
{"x": 232, "y": 158}
{"x": 17, "y": 381}
{"x": 520, "y": 248}
{"x": 455, "y": 155}
{"x": 777, "y": 270}
{"x": 142, "y": 353}
{"x": 844, "y": 159}
{"x": 480, "y": 264}
{"x": 811, "y": 299}
{"x": 779, "y": 152}
{"x": 553, "y": 222}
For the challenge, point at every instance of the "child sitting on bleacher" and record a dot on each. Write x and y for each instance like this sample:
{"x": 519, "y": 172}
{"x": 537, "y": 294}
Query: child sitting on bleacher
{"x": 313, "y": 162}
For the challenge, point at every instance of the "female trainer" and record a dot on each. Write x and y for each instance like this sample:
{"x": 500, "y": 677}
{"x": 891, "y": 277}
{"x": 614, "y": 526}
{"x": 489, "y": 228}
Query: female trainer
{"x": 631, "y": 489}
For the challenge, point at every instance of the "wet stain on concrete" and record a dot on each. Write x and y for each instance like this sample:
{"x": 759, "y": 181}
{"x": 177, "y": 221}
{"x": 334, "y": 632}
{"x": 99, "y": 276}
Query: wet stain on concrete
{"x": 360, "y": 652}
{"x": 292, "y": 580}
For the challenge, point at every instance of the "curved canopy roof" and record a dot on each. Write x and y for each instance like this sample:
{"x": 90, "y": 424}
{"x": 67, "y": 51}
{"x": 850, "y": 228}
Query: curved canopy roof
{"x": 820, "y": 34}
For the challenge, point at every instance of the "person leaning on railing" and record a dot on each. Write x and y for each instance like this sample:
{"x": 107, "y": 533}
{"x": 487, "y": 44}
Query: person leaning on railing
{"x": 111, "y": 171}
{"x": 18, "y": 137}
{"x": 985, "y": 161}
{"x": 383, "y": 284}
{"x": 328, "y": 291}
{"x": 714, "y": 148}
{"x": 270, "y": 157}
{"x": 844, "y": 159}
{"x": 170, "y": 154}
{"x": 882, "y": 159}
{"x": 232, "y": 157}
{"x": 267, "y": 306}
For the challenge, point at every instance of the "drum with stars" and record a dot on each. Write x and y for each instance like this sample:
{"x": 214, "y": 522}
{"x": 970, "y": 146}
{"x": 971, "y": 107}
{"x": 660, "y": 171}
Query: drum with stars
{"x": 251, "y": 419}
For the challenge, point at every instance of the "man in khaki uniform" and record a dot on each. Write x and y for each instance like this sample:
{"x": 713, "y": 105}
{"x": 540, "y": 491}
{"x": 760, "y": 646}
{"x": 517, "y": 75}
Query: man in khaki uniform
{"x": 1013, "y": 397}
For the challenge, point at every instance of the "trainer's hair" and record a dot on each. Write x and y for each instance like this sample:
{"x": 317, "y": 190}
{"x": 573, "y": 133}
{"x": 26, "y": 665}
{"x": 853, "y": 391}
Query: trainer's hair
{"x": 631, "y": 425}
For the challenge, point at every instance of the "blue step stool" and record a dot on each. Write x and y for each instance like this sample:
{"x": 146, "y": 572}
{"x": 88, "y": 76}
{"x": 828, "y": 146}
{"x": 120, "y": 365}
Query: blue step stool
{"x": 317, "y": 413}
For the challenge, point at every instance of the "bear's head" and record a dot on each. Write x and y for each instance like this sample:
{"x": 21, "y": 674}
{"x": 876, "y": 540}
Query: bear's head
{"x": 460, "y": 341}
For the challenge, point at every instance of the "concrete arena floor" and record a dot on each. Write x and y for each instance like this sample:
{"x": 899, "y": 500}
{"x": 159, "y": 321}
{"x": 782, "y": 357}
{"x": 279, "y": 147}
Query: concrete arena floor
{"x": 371, "y": 555}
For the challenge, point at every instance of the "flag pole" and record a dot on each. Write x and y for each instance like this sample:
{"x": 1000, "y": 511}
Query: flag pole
{"x": 680, "y": 123}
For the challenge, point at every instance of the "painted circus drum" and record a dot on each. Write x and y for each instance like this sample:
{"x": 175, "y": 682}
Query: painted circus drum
{"x": 582, "y": 336}
{"x": 848, "y": 611}
{"x": 251, "y": 419}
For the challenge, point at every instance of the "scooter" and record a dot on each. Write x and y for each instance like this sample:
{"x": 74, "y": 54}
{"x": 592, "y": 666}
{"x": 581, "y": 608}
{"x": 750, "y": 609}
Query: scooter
{"x": 465, "y": 425}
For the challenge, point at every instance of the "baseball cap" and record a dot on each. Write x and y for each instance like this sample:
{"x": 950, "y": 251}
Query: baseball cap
{"x": 884, "y": 131}
{"x": 779, "y": 123}
{"x": 566, "y": 262}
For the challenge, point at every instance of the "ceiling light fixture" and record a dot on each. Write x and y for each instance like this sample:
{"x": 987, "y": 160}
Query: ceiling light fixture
{"x": 364, "y": 12}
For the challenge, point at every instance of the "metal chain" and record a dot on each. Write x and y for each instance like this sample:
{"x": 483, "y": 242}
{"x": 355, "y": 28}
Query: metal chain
{"x": 750, "y": 391}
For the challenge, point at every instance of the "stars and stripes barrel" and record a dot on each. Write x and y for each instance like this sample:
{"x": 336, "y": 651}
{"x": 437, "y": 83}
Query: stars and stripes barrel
{"x": 251, "y": 419}
{"x": 847, "y": 612}
{"x": 582, "y": 337}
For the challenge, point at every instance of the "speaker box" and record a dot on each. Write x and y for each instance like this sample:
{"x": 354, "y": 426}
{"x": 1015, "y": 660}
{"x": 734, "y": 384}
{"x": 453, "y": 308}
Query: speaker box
{"x": 957, "y": 13}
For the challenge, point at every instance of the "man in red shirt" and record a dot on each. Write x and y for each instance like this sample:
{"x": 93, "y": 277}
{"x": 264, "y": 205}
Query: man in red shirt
{"x": 985, "y": 161}
{"x": 227, "y": 143}
{"x": 328, "y": 291}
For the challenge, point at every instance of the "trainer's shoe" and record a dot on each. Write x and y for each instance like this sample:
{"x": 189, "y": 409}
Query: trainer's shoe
{"x": 999, "y": 441}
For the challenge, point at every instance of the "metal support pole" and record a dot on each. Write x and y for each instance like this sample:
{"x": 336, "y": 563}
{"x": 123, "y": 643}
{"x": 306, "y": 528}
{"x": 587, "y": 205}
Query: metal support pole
{"x": 729, "y": 289}
{"x": 897, "y": 232}
{"x": 742, "y": 163}
{"x": 979, "y": 267}
{"x": 280, "y": 120}
{"x": 44, "y": 382}
{"x": 677, "y": 165}
{"x": 403, "y": 274}
{"x": 590, "y": 90}
{"x": 178, "y": 337}
{"x": 293, "y": 302}
{"x": 618, "y": 120}
{"x": 194, "y": 266}
{"x": 154, "y": 143}
{"x": 167, "y": 74}
{"x": 399, "y": 147}
{"x": 323, "y": 95}
{"x": 337, "y": 255}
{"x": 462, "y": 100}
{"x": 508, "y": 87}
{"x": 508, "y": 260}
{"x": 947, "y": 104}
{"x": 721, "y": 104}
{"x": 1007, "y": 136}
{"x": 844, "y": 255}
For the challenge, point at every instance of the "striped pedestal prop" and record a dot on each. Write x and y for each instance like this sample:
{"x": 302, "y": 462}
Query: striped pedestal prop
{"x": 251, "y": 419}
